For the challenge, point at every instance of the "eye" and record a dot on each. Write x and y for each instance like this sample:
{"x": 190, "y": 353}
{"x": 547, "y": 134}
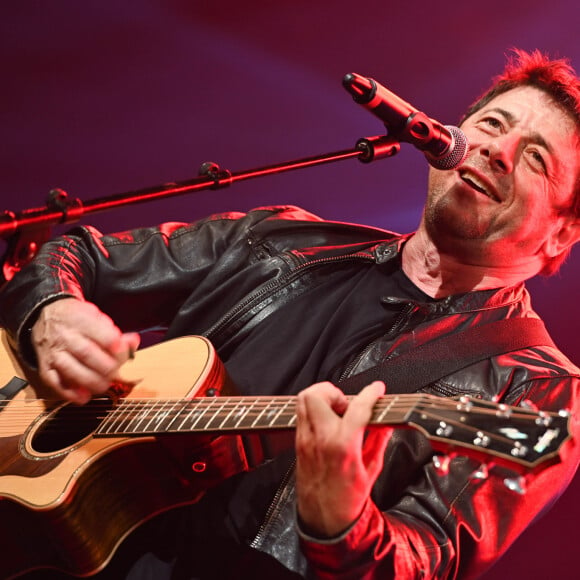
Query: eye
{"x": 490, "y": 124}
{"x": 538, "y": 159}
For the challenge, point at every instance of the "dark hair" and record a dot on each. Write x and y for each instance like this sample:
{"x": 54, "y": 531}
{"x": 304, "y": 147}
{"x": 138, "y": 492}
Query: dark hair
{"x": 557, "y": 79}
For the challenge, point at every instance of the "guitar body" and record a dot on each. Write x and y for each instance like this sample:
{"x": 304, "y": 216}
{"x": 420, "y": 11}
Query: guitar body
{"x": 68, "y": 502}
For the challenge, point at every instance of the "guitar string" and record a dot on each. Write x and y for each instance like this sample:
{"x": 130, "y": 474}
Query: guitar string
{"x": 133, "y": 409}
{"x": 394, "y": 402}
{"x": 288, "y": 414}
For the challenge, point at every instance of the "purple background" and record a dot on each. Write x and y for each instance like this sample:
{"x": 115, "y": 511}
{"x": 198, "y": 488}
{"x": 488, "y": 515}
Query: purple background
{"x": 105, "y": 97}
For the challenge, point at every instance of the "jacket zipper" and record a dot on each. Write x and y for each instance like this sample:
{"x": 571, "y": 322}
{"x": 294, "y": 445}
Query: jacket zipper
{"x": 269, "y": 517}
{"x": 275, "y": 285}
{"x": 240, "y": 308}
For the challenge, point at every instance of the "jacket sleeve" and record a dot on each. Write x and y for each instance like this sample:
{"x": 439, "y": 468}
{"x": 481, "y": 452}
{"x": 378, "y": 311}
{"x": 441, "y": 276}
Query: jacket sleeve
{"x": 141, "y": 278}
{"x": 447, "y": 525}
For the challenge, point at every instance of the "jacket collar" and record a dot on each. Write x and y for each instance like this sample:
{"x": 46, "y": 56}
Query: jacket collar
{"x": 474, "y": 301}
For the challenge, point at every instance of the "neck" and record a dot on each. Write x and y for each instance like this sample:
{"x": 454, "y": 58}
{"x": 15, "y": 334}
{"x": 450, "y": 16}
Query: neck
{"x": 440, "y": 274}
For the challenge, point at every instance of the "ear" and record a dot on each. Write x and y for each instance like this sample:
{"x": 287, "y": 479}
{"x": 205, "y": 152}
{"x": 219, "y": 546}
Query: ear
{"x": 565, "y": 234}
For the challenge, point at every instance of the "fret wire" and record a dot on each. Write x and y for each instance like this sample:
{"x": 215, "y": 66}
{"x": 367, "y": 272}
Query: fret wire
{"x": 278, "y": 413}
{"x": 225, "y": 419}
{"x": 158, "y": 416}
{"x": 266, "y": 407}
{"x": 234, "y": 409}
{"x": 215, "y": 414}
{"x": 110, "y": 424}
{"x": 198, "y": 418}
{"x": 117, "y": 417}
{"x": 248, "y": 410}
{"x": 143, "y": 415}
{"x": 172, "y": 413}
{"x": 387, "y": 408}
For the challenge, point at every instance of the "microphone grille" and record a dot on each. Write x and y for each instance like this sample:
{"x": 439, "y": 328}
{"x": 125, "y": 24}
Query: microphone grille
{"x": 455, "y": 154}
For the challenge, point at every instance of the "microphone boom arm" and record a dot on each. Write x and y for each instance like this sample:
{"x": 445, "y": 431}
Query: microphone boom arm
{"x": 26, "y": 231}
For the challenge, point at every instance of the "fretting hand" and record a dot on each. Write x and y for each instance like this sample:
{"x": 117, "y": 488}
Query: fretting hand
{"x": 336, "y": 464}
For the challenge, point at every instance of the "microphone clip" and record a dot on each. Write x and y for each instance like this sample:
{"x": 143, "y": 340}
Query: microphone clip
{"x": 379, "y": 147}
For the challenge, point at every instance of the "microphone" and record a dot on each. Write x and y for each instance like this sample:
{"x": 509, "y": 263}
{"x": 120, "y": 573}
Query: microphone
{"x": 444, "y": 146}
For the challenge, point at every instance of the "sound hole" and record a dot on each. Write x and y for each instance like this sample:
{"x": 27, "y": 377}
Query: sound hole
{"x": 69, "y": 424}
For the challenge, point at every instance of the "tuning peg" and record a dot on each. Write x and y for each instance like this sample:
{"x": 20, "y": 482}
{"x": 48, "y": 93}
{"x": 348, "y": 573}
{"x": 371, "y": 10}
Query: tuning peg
{"x": 528, "y": 405}
{"x": 503, "y": 411}
{"x": 481, "y": 473}
{"x": 441, "y": 464}
{"x": 444, "y": 429}
{"x": 517, "y": 484}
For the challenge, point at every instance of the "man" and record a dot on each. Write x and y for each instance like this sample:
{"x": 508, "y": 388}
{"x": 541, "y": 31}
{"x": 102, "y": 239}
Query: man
{"x": 290, "y": 300}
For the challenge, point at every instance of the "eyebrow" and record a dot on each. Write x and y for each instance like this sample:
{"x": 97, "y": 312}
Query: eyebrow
{"x": 512, "y": 119}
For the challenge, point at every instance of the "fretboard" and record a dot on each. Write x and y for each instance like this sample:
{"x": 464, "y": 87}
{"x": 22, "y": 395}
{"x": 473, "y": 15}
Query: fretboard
{"x": 214, "y": 414}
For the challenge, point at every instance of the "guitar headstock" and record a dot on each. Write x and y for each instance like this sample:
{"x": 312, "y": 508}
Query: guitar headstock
{"x": 521, "y": 439}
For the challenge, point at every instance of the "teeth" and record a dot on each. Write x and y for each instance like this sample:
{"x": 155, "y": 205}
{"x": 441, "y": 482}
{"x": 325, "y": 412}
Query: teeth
{"x": 477, "y": 184}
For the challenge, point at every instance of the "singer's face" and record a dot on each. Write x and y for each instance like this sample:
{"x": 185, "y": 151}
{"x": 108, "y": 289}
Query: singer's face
{"x": 505, "y": 204}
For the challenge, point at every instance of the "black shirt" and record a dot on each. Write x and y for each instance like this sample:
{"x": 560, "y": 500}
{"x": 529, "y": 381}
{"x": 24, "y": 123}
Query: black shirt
{"x": 321, "y": 331}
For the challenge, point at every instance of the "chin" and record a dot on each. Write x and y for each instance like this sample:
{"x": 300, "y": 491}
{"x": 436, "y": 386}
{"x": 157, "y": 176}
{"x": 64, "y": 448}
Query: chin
{"x": 445, "y": 224}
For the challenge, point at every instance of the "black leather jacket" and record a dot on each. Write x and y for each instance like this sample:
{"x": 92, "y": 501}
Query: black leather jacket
{"x": 219, "y": 277}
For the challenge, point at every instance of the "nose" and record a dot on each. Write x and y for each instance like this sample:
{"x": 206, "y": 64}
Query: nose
{"x": 501, "y": 151}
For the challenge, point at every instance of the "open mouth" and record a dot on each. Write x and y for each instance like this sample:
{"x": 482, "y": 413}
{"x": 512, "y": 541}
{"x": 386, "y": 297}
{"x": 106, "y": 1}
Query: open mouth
{"x": 476, "y": 183}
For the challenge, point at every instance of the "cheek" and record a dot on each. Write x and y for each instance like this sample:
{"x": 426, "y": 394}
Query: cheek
{"x": 438, "y": 181}
{"x": 529, "y": 215}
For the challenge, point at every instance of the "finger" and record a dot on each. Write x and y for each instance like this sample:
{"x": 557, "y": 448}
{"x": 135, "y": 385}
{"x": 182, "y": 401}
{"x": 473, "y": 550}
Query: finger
{"x": 103, "y": 331}
{"x": 119, "y": 353}
{"x": 131, "y": 341}
{"x": 328, "y": 392}
{"x": 124, "y": 347}
{"x": 74, "y": 316}
{"x": 322, "y": 404}
{"x": 303, "y": 432}
{"x": 78, "y": 395}
{"x": 91, "y": 355}
{"x": 324, "y": 389}
{"x": 62, "y": 323}
{"x": 316, "y": 417}
{"x": 125, "y": 374}
{"x": 359, "y": 413}
{"x": 374, "y": 447}
{"x": 360, "y": 408}
{"x": 70, "y": 378}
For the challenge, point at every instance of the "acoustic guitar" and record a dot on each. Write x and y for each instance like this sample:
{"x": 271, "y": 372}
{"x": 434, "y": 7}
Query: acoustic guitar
{"x": 76, "y": 480}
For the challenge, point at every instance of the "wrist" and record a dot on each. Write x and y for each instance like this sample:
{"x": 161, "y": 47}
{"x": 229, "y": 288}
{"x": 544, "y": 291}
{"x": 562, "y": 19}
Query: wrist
{"x": 326, "y": 530}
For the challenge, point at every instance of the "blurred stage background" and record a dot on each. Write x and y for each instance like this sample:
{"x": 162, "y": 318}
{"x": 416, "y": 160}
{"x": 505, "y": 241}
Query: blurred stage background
{"x": 103, "y": 97}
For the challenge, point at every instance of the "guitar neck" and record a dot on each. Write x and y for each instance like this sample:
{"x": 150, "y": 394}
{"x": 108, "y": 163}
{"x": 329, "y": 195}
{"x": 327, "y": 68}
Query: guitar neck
{"x": 515, "y": 437}
{"x": 141, "y": 417}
